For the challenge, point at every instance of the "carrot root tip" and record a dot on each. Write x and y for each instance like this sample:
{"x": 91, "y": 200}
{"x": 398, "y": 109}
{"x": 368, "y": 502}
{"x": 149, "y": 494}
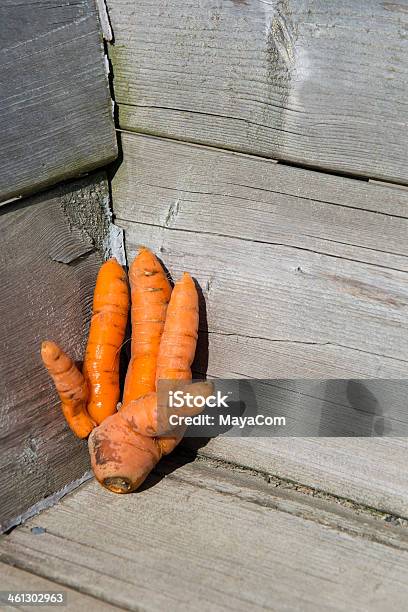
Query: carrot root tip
{"x": 118, "y": 484}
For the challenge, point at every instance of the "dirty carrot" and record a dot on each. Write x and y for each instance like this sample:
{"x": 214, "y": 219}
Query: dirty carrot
{"x": 150, "y": 414}
{"x": 71, "y": 387}
{"x": 150, "y": 294}
{"x": 121, "y": 456}
{"x": 106, "y": 334}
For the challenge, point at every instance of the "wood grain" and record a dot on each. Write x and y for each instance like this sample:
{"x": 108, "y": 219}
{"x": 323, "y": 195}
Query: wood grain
{"x": 322, "y": 84}
{"x": 198, "y": 189}
{"x": 55, "y": 107}
{"x": 42, "y": 298}
{"x": 313, "y": 270}
{"x": 215, "y": 539}
{"x": 14, "y": 579}
{"x": 366, "y": 470}
{"x": 303, "y": 276}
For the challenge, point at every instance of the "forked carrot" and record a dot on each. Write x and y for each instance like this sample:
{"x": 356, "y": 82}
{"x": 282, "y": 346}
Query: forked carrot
{"x": 71, "y": 387}
{"x": 106, "y": 334}
{"x": 150, "y": 294}
{"x": 121, "y": 456}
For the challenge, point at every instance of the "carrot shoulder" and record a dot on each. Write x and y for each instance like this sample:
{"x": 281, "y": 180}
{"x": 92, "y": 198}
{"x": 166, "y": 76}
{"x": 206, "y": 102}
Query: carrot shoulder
{"x": 150, "y": 292}
{"x": 71, "y": 387}
{"x": 106, "y": 334}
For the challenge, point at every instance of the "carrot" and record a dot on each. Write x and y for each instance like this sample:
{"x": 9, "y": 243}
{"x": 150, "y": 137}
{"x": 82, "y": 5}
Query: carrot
{"x": 169, "y": 442}
{"x": 71, "y": 387}
{"x": 121, "y": 456}
{"x": 179, "y": 339}
{"x": 106, "y": 334}
{"x": 150, "y": 291}
{"x": 149, "y": 415}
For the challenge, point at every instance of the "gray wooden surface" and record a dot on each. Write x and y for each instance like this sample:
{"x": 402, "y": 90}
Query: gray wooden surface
{"x": 303, "y": 275}
{"x": 316, "y": 83}
{"x": 49, "y": 265}
{"x": 14, "y": 579}
{"x": 318, "y": 260}
{"x": 367, "y": 470}
{"x": 209, "y": 538}
{"x": 319, "y": 408}
{"x": 55, "y": 107}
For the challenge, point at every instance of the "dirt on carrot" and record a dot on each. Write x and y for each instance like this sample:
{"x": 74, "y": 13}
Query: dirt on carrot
{"x": 71, "y": 387}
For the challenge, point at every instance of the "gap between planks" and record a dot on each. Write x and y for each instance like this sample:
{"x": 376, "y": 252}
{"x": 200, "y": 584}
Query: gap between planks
{"x": 278, "y": 87}
{"x": 283, "y": 162}
{"x": 285, "y": 488}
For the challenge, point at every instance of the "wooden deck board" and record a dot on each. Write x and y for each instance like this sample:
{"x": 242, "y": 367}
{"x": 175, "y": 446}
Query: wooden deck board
{"x": 322, "y": 84}
{"x": 205, "y": 537}
{"x": 55, "y": 108}
{"x": 324, "y": 297}
{"x": 49, "y": 267}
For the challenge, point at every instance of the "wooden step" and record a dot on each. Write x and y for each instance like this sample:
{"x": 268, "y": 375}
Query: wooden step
{"x": 204, "y": 537}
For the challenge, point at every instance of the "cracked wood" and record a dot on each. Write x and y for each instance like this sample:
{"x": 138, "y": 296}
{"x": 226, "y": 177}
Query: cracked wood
{"x": 55, "y": 107}
{"x": 322, "y": 84}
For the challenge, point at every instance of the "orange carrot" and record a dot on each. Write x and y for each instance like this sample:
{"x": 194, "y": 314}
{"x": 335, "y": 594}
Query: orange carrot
{"x": 150, "y": 415}
{"x": 150, "y": 291}
{"x": 121, "y": 456}
{"x": 169, "y": 442}
{"x": 71, "y": 387}
{"x": 106, "y": 334}
{"x": 179, "y": 339}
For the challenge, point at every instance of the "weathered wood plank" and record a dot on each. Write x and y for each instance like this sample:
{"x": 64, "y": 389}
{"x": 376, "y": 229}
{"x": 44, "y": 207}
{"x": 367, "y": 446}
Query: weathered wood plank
{"x": 215, "y": 539}
{"x": 317, "y": 83}
{"x": 356, "y": 306}
{"x": 366, "y": 470}
{"x": 314, "y": 271}
{"x": 210, "y": 191}
{"x": 273, "y": 308}
{"x": 43, "y": 298}
{"x": 14, "y": 579}
{"x": 55, "y": 107}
